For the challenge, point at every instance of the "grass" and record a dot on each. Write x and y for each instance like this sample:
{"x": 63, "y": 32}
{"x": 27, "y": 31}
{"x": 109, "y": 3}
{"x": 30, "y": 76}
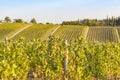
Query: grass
{"x": 7, "y": 29}
{"x": 36, "y": 31}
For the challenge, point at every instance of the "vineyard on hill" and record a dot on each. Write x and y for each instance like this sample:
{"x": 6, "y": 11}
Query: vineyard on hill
{"x": 8, "y": 29}
{"x": 36, "y": 31}
{"x": 102, "y": 34}
{"x": 92, "y": 34}
{"x": 65, "y": 32}
{"x": 71, "y": 53}
{"x": 71, "y": 32}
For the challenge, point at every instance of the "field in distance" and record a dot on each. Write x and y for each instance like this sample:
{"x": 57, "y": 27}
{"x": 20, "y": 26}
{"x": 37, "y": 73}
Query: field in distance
{"x": 8, "y": 29}
{"x": 65, "y": 32}
{"x": 37, "y": 31}
{"x": 92, "y": 34}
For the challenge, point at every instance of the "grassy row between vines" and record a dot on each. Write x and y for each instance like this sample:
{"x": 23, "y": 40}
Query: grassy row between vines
{"x": 44, "y": 60}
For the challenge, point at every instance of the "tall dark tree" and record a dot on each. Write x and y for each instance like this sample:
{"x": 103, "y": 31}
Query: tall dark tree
{"x": 118, "y": 21}
{"x": 33, "y": 21}
{"x": 7, "y": 19}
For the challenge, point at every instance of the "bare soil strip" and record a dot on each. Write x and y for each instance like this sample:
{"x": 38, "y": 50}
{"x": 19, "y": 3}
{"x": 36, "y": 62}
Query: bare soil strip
{"x": 86, "y": 32}
{"x": 55, "y": 30}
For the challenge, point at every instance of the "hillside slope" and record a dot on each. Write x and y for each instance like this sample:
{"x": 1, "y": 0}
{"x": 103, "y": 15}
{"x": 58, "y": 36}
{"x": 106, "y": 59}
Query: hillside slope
{"x": 36, "y": 31}
{"x": 8, "y": 29}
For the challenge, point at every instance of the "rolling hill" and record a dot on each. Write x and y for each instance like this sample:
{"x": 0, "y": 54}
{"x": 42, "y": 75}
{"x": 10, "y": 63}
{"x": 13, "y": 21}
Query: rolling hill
{"x": 15, "y": 31}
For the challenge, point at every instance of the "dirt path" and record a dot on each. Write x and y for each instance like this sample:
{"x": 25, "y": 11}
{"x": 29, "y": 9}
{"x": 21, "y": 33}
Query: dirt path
{"x": 55, "y": 30}
{"x": 19, "y": 31}
{"x": 86, "y": 32}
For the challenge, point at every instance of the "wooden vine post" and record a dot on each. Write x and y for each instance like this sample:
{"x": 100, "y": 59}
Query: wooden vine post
{"x": 66, "y": 62}
{"x": 6, "y": 41}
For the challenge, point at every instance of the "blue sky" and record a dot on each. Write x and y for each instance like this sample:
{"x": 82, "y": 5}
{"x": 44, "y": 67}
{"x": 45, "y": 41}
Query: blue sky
{"x": 57, "y": 11}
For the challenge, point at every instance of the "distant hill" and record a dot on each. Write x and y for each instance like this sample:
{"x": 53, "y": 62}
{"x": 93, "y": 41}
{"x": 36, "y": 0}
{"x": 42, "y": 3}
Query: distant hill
{"x": 65, "y": 32}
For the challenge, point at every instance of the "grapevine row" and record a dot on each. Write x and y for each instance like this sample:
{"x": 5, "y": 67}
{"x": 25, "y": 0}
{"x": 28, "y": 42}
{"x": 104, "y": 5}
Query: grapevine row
{"x": 45, "y": 60}
{"x": 102, "y": 34}
{"x": 70, "y": 32}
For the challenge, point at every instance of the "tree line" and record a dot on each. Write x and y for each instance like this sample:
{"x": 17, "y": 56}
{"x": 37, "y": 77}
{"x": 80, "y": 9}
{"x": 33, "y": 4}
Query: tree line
{"x": 8, "y": 20}
{"x": 95, "y": 22}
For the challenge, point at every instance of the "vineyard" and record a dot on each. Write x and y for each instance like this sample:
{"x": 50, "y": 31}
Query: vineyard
{"x": 36, "y": 31}
{"x": 71, "y": 32}
{"x": 56, "y": 60}
{"x": 92, "y": 34}
{"x": 71, "y": 53}
{"x": 7, "y": 29}
{"x": 65, "y": 32}
{"x": 102, "y": 34}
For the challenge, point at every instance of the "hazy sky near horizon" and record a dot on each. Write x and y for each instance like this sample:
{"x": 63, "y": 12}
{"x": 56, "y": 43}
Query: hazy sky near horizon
{"x": 57, "y": 11}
